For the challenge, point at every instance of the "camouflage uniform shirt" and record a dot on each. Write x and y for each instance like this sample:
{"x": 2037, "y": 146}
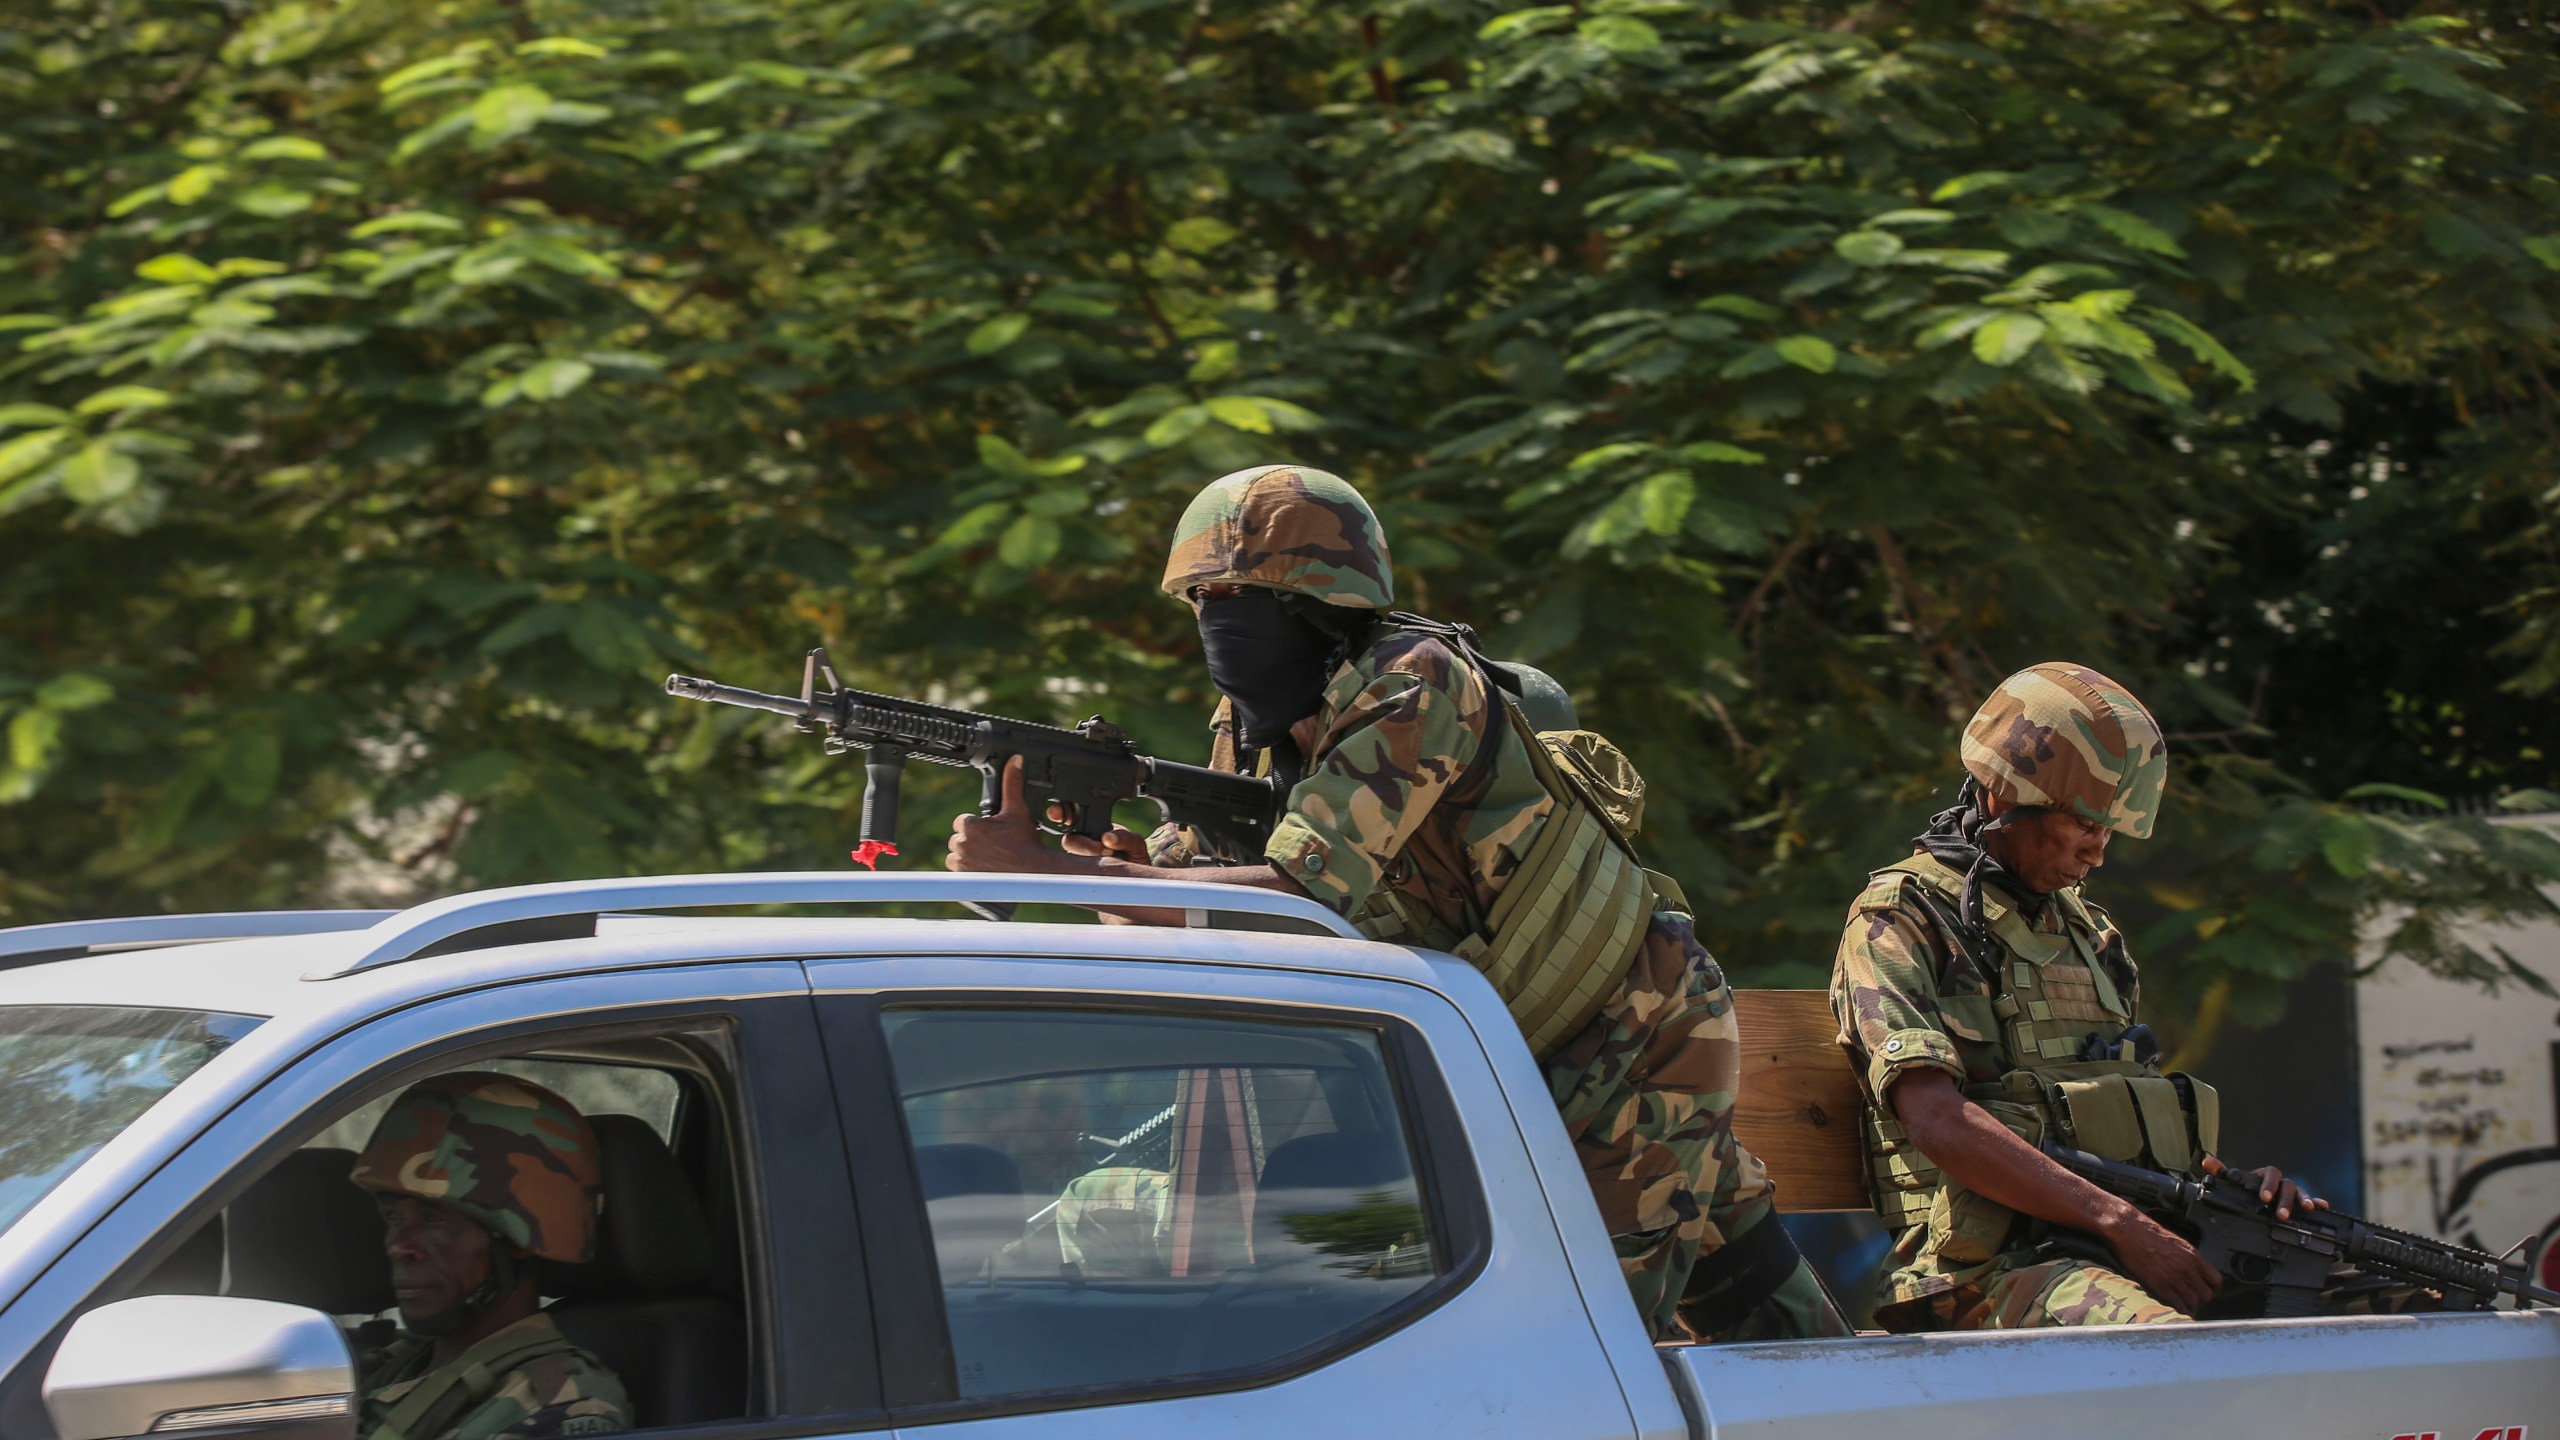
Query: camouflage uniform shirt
{"x": 1908, "y": 998}
{"x": 1401, "y": 724}
{"x": 1402, "y": 792}
{"x": 564, "y": 1393}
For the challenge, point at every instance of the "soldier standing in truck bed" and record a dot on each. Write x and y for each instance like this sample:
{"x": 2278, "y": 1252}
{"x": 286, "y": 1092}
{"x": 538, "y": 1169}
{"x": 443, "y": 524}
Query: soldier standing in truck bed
{"x": 1427, "y": 811}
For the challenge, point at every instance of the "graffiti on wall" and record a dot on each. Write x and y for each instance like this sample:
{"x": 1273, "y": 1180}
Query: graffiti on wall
{"x": 2461, "y": 1103}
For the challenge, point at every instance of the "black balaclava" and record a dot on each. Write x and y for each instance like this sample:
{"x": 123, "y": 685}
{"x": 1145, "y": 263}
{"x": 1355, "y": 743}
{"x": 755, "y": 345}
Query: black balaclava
{"x": 1954, "y": 839}
{"x": 1270, "y": 657}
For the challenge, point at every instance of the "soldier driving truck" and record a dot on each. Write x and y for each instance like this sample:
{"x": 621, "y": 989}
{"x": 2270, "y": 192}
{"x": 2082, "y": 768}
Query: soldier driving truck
{"x": 481, "y": 1179}
{"x": 1992, "y": 1014}
{"x": 1422, "y": 804}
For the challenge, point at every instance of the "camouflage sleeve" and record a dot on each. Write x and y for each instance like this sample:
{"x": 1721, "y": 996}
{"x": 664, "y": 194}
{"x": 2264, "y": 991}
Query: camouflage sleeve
{"x": 554, "y": 1395}
{"x": 1394, "y": 746}
{"x": 1884, "y": 993}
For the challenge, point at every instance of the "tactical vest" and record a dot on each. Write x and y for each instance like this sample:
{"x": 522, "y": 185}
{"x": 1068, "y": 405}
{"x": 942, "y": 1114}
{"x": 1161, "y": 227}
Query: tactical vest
{"x": 443, "y": 1397}
{"x": 2052, "y": 1005}
{"x": 1561, "y": 932}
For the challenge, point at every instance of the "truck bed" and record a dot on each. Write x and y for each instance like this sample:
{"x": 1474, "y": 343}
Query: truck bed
{"x": 2487, "y": 1376}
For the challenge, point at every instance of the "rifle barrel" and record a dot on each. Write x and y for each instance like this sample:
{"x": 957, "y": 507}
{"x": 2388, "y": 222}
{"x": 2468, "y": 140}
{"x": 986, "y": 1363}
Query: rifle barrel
{"x": 687, "y": 687}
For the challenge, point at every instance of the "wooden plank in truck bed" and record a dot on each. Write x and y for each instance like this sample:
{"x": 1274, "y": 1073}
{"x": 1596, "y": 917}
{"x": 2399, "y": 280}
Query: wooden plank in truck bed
{"x": 1800, "y": 1102}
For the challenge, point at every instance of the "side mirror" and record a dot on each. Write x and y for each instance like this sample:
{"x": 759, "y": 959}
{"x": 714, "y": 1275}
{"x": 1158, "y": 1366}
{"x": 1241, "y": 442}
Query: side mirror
{"x": 202, "y": 1366}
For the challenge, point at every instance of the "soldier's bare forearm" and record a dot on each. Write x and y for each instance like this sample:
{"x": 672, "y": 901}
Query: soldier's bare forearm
{"x": 1984, "y": 1156}
{"x": 1261, "y": 877}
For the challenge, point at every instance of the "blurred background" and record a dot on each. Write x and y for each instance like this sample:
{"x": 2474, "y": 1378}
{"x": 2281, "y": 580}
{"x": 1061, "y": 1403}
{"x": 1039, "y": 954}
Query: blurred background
{"x": 393, "y": 391}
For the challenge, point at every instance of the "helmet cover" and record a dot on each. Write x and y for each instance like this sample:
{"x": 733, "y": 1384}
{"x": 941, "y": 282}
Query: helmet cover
{"x": 1286, "y": 527}
{"x": 508, "y": 1153}
{"x": 1543, "y": 700}
{"x": 2065, "y": 737}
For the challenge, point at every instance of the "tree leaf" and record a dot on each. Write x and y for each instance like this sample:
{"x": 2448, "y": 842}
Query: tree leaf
{"x": 194, "y": 183}
{"x": 2380, "y": 790}
{"x": 1524, "y": 22}
{"x": 1030, "y": 542}
{"x": 563, "y": 45}
{"x": 1742, "y": 305}
{"x": 2132, "y": 229}
{"x": 74, "y": 691}
{"x": 25, "y": 413}
{"x": 1808, "y": 352}
{"x": 1868, "y": 247}
{"x": 99, "y": 474}
{"x": 504, "y": 112}
{"x": 994, "y": 335}
{"x": 2456, "y": 238}
{"x": 402, "y": 221}
{"x": 1620, "y": 34}
{"x": 26, "y": 452}
{"x": 1241, "y": 413}
{"x": 2347, "y": 841}
{"x": 1200, "y": 234}
{"x": 284, "y": 147}
{"x": 35, "y": 738}
{"x": 1974, "y": 183}
{"x": 554, "y": 378}
{"x": 1217, "y": 361}
{"x": 1175, "y": 426}
{"x": 177, "y": 270}
{"x": 710, "y": 90}
{"x": 117, "y": 398}
{"x": 248, "y": 764}
{"x": 1663, "y": 500}
{"x": 2005, "y": 339}
{"x": 406, "y": 76}
{"x": 2175, "y": 326}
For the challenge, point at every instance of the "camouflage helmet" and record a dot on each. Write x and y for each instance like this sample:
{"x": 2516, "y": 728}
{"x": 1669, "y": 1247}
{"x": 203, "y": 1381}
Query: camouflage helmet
{"x": 506, "y": 1152}
{"x": 2064, "y": 737}
{"x": 1544, "y": 702}
{"x": 1286, "y": 527}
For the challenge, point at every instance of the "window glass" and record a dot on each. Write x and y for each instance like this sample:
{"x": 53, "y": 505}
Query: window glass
{"x": 595, "y": 1087}
{"x": 72, "y": 1077}
{"x": 1118, "y": 1198}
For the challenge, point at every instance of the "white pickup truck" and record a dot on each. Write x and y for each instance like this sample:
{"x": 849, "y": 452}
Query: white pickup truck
{"x": 970, "y": 1179}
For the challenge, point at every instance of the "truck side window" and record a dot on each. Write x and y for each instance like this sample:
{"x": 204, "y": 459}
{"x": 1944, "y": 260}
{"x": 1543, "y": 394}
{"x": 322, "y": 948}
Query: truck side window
{"x": 1121, "y": 1198}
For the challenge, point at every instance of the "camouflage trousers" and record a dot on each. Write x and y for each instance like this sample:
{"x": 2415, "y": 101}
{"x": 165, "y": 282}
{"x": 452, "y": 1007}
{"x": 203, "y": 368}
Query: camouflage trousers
{"x": 1647, "y": 1091}
{"x": 2082, "y": 1292}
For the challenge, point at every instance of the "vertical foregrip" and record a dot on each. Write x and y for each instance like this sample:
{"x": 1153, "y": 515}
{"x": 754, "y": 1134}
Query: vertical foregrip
{"x": 883, "y": 767}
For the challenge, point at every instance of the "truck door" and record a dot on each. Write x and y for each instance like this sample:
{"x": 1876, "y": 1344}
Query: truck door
{"x": 726, "y": 1290}
{"x": 1228, "y": 1200}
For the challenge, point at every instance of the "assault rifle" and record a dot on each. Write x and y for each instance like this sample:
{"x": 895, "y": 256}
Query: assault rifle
{"x": 1078, "y": 774}
{"x": 2239, "y": 1234}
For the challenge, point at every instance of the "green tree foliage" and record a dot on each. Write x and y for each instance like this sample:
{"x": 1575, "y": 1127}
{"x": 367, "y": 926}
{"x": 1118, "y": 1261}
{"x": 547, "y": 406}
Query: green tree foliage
{"x": 393, "y": 391}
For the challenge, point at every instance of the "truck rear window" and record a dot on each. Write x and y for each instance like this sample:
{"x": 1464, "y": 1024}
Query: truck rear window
{"x": 72, "y": 1077}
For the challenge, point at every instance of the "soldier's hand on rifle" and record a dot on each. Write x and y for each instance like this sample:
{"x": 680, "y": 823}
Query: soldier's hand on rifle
{"x": 1006, "y": 840}
{"x": 2162, "y": 1263}
{"x": 1119, "y": 842}
{"x": 2273, "y": 1189}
